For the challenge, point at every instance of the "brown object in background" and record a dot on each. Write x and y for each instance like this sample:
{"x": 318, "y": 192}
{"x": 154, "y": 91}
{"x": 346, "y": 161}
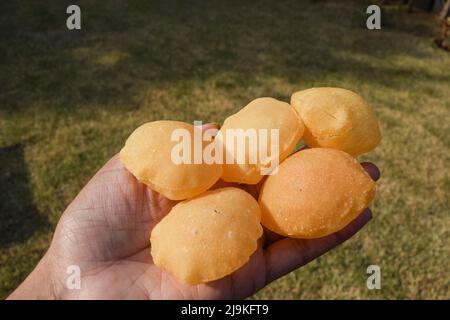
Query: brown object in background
{"x": 445, "y": 27}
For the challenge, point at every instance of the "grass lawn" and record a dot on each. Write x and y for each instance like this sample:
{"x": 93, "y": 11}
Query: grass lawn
{"x": 68, "y": 100}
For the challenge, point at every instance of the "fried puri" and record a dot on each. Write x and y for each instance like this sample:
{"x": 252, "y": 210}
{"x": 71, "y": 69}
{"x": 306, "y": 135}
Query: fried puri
{"x": 147, "y": 155}
{"x": 261, "y": 113}
{"x": 337, "y": 118}
{"x": 207, "y": 237}
{"x": 316, "y": 192}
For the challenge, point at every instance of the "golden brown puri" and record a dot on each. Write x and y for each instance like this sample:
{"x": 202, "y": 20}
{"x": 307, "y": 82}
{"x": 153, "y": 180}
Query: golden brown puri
{"x": 147, "y": 155}
{"x": 337, "y": 118}
{"x": 261, "y": 113}
{"x": 207, "y": 237}
{"x": 316, "y": 192}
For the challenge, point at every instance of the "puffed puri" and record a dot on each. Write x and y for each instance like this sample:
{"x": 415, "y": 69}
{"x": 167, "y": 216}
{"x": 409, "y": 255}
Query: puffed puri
{"x": 316, "y": 192}
{"x": 147, "y": 154}
{"x": 260, "y": 114}
{"x": 207, "y": 237}
{"x": 337, "y": 118}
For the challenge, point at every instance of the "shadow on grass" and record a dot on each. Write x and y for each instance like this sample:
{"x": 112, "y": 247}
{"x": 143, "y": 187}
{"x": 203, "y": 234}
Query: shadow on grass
{"x": 125, "y": 48}
{"x": 18, "y": 214}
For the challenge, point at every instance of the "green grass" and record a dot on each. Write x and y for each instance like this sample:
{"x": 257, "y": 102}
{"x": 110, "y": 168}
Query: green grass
{"x": 68, "y": 100}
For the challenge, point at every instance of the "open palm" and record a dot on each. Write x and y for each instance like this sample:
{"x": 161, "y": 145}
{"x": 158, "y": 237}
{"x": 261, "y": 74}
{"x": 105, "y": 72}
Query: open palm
{"x": 106, "y": 230}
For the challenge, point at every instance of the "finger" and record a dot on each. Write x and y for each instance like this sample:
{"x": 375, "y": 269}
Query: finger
{"x": 208, "y": 126}
{"x": 289, "y": 254}
{"x": 112, "y": 168}
{"x": 113, "y": 163}
{"x": 270, "y": 237}
{"x": 372, "y": 170}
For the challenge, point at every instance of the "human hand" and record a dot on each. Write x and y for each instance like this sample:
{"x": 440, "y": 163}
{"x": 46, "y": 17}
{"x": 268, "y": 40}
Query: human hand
{"x": 106, "y": 231}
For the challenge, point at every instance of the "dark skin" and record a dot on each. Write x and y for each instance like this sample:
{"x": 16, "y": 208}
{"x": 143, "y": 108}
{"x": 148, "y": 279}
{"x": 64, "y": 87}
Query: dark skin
{"x": 106, "y": 231}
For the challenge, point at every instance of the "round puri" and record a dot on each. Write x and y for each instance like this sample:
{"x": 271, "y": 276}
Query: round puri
{"x": 316, "y": 192}
{"x": 147, "y": 155}
{"x": 261, "y": 113}
{"x": 207, "y": 237}
{"x": 337, "y": 118}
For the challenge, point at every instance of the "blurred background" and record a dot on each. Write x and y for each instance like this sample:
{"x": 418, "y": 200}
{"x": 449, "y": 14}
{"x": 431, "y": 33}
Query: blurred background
{"x": 69, "y": 99}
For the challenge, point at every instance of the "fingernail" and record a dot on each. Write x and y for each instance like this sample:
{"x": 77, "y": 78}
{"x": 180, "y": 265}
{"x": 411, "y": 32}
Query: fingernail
{"x": 372, "y": 170}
